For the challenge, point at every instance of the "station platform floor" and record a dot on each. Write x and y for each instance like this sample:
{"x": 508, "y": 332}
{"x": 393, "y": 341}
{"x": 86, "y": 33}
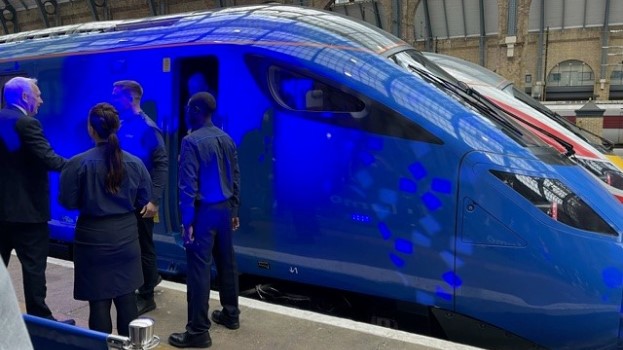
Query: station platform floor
{"x": 262, "y": 325}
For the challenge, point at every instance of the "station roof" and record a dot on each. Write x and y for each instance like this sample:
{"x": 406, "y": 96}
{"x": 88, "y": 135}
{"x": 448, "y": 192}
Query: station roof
{"x": 21, "y": 5}
{"x": 455, "y": 19}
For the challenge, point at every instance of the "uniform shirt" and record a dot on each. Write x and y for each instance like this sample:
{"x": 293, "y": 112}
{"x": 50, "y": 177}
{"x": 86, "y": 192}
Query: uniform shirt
{"x": 83, "y": 184}
{"x": 208, "y": 171}
{"x": 140, "y": 136}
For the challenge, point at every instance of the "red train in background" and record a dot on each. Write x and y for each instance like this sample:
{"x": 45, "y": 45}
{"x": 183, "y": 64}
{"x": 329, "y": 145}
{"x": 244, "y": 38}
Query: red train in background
{"x": 613, "y": 116}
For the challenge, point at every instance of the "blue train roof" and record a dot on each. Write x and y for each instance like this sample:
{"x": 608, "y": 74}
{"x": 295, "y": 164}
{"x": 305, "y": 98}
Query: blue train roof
{"x": 340, "y": 46}
{"x": 239, "y": 24}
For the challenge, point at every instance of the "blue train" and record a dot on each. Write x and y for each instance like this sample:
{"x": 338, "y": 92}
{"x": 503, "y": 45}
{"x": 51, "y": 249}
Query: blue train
{"x": 356, "y": 173}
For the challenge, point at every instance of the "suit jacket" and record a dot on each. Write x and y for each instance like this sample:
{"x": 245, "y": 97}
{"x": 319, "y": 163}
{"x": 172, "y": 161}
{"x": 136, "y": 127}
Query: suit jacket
{"x": 25, "y": 159}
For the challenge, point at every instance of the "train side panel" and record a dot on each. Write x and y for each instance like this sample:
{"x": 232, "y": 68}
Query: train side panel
{"x": 322, "y": 202}
{"x": 329, "y": 203}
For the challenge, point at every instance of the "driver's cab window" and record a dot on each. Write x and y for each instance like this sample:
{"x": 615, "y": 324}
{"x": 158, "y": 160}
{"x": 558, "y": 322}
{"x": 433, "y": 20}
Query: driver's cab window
{"x": 319, "y": 98}
{"x": 302, "y": 93}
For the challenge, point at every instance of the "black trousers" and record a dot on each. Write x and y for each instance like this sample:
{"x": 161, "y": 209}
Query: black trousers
{"x": 99, "y": 314}
{"x": 148, "y": 256}
{"x": 213, "y": 240}
{"x": 31, "y": 242}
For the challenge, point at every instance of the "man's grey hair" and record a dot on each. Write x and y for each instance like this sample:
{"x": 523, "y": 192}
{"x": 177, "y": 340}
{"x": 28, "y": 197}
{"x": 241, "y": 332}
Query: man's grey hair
{"x": 14, "y": 88}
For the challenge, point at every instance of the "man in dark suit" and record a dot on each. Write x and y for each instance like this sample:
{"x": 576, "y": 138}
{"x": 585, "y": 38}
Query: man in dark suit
{"x": 25, "y": 159}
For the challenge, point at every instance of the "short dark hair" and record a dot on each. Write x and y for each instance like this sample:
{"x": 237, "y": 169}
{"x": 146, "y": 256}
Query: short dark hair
{"x": 130, "y": 86}
{"x": 203, "y": 101}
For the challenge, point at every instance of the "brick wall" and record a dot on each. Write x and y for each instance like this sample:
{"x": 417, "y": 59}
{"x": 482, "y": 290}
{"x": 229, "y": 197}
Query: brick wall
{"x": 592, "y": 124}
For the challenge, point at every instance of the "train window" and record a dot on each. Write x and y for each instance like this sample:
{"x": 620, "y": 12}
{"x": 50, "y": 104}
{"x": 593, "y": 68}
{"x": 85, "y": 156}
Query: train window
{"x": 302, "y": 93}
{"x": 311, "y": 97}
{"x": 616, "y": 77}
{"x": 555, "y": 200}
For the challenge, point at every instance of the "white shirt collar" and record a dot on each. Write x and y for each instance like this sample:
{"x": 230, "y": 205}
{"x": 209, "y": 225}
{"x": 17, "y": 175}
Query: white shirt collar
{"x": 20, "y": 108}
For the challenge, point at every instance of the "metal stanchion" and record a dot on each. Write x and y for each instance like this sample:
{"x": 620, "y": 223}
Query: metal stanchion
{"x": 141, "y": 337}
{"x": 117, "y": 342}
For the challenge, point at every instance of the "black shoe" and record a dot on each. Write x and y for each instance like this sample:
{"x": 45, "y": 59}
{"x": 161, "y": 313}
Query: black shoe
{"x": 220, "y": 318}
{"x": 69, "y": 321}
{"x": 145, "y": 305}
{"x": 187, "y": 340}
{"x": 142, "y": 291}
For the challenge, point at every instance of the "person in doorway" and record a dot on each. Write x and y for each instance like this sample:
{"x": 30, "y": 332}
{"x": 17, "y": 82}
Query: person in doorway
{"x": 140, "y": 136}
{"x": 25, "y": 159}
{"x": 106, "y": 185}
{"x": 209, "y": 189}
{"x": 197, "y": 82}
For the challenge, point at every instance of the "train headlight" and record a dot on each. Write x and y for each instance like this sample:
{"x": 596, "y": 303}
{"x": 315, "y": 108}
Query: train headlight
{"x": 556, "y": 200}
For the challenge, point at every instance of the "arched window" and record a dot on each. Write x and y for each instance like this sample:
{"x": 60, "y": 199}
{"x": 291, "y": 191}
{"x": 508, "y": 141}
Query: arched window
{"x": 571, "y": 73}
{"x": 572, "y": 80}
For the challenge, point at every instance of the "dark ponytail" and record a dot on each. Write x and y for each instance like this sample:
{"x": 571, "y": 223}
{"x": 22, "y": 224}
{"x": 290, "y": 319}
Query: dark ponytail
{"x": 114, "y": 163}
{"x": 104, "y": 120}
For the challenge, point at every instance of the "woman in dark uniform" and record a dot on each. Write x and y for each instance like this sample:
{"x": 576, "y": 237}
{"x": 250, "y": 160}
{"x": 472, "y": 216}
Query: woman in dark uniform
{"x": 106, "y": 185}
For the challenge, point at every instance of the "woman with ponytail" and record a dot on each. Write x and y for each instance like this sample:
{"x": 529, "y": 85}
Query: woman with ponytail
{"x": 106, "y": 185}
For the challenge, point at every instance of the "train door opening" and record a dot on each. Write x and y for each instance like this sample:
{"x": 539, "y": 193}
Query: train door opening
{"x": 194, "y": 74}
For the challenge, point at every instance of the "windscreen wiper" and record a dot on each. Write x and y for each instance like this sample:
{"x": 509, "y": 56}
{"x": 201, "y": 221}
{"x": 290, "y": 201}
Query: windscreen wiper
{"x": 486, "y": 110}
{"x": 485, "y": 106}
{"x": 609, "y": 145}
{"x": 568, "y": 146}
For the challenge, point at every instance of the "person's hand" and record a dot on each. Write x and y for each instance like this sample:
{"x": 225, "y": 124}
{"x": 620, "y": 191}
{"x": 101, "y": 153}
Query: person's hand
{"x": 188, "y": 236}
{"x": 235, "y": 223}
{"x": 149, "y": 210}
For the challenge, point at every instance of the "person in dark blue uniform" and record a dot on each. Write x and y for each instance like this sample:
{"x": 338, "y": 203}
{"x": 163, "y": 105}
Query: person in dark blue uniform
{"x": 140, "y": 136}
{"x": 25, "y": 159}
{"x": 209, "y": 189}
{"x": 106, "y": 185}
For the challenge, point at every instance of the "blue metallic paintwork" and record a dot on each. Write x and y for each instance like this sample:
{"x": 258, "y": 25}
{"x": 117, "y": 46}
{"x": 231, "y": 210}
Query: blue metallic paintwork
{"x": 44, "y": 334}
{"x": 553, "y": 277}
{"x": 346, "y": 209}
